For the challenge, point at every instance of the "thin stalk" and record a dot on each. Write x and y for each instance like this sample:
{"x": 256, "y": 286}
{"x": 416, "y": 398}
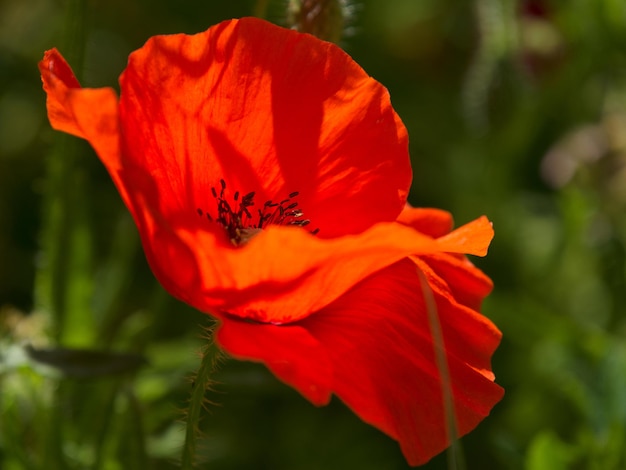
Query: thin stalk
{"x": 455, "y": 455}
{"x": 200, "y": 385}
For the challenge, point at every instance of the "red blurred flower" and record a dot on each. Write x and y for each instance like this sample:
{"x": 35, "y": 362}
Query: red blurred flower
{"x": 334, "y": 306}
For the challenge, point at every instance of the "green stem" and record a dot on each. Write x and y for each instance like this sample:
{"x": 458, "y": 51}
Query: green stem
{"x": 74, "y": 42}
{"x": 196, "y": 403}
{"x": 455, "y": 456}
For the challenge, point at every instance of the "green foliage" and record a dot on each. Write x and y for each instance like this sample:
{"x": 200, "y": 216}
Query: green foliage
{"x": 515, "y": 109}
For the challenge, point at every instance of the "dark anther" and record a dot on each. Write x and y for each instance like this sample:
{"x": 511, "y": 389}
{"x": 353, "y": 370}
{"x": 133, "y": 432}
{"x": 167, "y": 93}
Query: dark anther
{"x": 315, "y": 232}
{"x": 238, "y": 221}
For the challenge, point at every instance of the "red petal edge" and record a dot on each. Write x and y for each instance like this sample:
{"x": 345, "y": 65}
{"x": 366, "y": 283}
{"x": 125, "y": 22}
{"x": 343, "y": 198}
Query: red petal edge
{"x": 373, "y": 349}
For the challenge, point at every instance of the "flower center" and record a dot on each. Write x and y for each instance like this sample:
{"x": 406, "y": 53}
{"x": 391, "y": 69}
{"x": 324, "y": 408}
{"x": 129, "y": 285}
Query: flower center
{"x": 242, "y": 223}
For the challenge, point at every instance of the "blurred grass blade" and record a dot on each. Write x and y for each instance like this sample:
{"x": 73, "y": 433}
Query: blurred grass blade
{"x": 53, "y": 433}
{"x": 135, "y": 447}
{"x": 63, "y": 284}
{"x": 497, "y": 32}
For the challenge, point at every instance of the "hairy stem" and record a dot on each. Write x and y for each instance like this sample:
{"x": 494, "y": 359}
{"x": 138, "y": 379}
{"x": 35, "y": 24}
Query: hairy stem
{"x": 200, "y": 385}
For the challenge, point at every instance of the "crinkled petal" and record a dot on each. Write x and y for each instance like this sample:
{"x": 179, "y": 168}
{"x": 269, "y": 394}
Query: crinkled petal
{"x": 468, "y": 284}
{"x": 377, "y": 337}
{"x": 303, "y": 275}
{"x": 267, "y": 110}
{"x": 465, "y": 330}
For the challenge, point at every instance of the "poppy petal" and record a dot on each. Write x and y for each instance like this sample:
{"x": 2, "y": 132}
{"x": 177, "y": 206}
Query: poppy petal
{"x": 87, "y": 113}
{"x": 267, "y": 110}
{"x": 470, "y": 326}
{"x": 432, "y": 222}
{"x": 377, "y": 338}
{"x": 474, "y": 237}
{"x": 468, "y": 284}
{"x": 302, "y": 275}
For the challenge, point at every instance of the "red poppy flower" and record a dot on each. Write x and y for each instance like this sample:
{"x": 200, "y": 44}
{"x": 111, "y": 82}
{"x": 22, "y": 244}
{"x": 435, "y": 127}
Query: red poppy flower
{"x": 268, "y": 175}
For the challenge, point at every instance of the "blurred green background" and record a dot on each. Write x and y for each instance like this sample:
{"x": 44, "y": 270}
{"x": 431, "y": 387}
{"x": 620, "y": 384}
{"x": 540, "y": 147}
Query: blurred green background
{"x": 515, "y": 109}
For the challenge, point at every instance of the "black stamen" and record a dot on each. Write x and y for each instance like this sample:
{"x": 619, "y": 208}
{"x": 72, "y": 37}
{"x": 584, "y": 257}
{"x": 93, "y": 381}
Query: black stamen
{"x": 238, "y": 221}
